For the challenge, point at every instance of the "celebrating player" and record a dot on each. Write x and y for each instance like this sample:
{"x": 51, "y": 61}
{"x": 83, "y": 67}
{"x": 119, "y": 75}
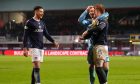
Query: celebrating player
{"x": 98, "y": 32}
{"x": 34, "y": 30}
{"x": 87, "y": 23}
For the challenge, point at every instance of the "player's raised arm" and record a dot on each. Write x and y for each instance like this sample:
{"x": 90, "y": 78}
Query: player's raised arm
{"x": 82, "y": 19}
{"x": 82, "y": 16}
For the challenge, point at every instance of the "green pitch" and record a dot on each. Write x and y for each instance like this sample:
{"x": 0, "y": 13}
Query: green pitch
{"x": 67, "y": 70}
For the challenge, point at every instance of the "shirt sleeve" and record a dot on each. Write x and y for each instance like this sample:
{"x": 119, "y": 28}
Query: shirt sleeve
{"x": 26, "y": 35}
{"x": 103, "y": 16}
{"x": 47, "y": 35}
{"x": 99, "y": 27}
{"x": 82, "y": 19}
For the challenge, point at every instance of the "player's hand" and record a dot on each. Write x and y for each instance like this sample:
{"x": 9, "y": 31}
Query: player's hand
{"x": 89, "y": 7}
{"x": 80, "y": 38}
{"x": 56, "y": 44}
{"x": 25, "y": 52}
{"x": 94, "y": 23}
{"x": 84, "y": 34}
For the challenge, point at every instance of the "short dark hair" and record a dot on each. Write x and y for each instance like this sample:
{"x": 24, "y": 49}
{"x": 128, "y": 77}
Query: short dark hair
{"x": 37, "y": 7}
{"x": 100, "y": 8}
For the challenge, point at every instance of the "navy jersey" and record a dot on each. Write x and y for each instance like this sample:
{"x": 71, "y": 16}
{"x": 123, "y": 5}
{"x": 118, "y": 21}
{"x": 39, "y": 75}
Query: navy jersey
{"x": 33, "y": 34}
{"x": 101, "y": 33}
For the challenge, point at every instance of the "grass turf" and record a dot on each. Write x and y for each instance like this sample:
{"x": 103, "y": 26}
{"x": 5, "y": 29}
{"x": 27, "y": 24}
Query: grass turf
{"x": 67, "y": 70}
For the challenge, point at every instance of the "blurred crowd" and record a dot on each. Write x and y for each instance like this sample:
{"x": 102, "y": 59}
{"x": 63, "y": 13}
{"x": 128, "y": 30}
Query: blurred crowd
{"x": 65, "y": 23}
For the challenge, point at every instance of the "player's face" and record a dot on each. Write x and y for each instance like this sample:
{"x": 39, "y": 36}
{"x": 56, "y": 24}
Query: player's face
{"x": 39, "y": 13}
{"x": 97, "y": 13}
{"x": 91, "y": 12}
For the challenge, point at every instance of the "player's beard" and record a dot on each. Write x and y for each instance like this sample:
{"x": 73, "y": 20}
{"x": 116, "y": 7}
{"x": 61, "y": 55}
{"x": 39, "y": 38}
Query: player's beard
{"x": 39, "y": 16}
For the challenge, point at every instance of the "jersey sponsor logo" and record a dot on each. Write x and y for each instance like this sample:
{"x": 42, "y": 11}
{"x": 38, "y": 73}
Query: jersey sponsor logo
{"x": 38, "y": 30}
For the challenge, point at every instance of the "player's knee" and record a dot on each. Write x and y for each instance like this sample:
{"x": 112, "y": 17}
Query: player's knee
{"x": 36, "y": 64}
{"x": 99, "y": 63}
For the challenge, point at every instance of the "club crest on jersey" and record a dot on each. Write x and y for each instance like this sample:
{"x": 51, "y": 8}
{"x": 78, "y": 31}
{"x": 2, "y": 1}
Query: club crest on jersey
{"x": 25, "y": 27}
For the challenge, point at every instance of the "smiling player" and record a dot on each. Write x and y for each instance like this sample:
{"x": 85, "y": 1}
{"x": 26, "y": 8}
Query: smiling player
{"x": 34, "y": 31}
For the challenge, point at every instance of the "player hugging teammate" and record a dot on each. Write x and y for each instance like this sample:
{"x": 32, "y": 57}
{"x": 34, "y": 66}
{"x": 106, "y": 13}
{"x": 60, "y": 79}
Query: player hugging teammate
{"x": 97, "y": 29}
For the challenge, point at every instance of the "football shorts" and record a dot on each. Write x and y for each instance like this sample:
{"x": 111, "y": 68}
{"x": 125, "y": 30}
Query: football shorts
{"x": 100, "y": 54}
{"x": 37, "y": 54}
